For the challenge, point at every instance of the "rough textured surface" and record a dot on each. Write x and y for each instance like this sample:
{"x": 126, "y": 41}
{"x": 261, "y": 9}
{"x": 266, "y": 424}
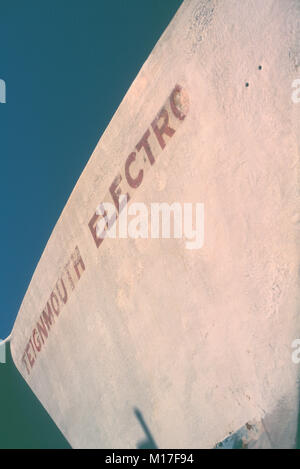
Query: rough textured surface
{"x": 199, "y": 341}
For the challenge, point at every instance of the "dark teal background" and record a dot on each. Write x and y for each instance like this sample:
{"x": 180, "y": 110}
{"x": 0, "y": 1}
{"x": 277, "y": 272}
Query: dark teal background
{"x": 67, "y": 65}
